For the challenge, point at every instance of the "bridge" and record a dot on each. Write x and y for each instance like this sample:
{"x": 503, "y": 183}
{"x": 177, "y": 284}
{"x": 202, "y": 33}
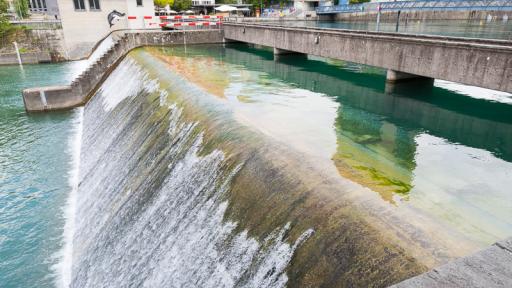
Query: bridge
{"x": 478, "y": 62}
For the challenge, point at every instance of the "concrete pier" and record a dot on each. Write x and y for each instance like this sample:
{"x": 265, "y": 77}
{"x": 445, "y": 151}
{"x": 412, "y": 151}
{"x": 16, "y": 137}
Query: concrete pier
{"x": 478, "y": 62}
{"x": 394, "y": 76}
{"x": 84, "y": 86}
{"x": 282, "y": 52}
{"x": 396, "y": 80}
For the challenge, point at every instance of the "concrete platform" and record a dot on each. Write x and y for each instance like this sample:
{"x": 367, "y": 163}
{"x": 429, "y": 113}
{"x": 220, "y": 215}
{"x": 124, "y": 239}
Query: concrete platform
{"x": 491, "y": 267}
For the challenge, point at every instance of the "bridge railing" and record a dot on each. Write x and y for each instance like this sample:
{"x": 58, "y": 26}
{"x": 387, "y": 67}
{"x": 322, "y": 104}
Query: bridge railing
{"x": 446, "y": 5}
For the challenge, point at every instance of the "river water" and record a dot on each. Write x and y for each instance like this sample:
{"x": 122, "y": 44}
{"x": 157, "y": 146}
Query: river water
{"x": 213, "y": 166}
{"x": 34, "y": 167}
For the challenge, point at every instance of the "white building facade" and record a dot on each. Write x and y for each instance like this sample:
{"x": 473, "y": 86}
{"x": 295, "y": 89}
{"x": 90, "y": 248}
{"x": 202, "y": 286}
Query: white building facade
{"x": 85, "y": 22}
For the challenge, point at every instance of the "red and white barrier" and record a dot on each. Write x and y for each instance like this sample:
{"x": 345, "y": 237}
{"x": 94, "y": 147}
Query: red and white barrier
{"x": 147, "y": 21}
{"x": 188, "y": 24}
{"x": 185, "y": 17}
{"x": 178, "y": 17}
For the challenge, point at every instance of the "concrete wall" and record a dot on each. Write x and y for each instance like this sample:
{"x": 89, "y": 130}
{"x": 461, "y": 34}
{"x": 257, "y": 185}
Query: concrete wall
{"x": 26, "y": 58}
{"x": 44, "y": 45}
{"x": 83, "y": 87}
{"x": 483, "y": 63}
{"x": 147, "y": 9}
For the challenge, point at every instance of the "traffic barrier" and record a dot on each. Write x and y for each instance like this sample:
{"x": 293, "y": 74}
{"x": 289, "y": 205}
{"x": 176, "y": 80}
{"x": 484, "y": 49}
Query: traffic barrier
{"x": 147, "y": 20}
{"x": 185, "y": 17}
{"x": 178, "y": 17}
{"x": 188, "y": 24}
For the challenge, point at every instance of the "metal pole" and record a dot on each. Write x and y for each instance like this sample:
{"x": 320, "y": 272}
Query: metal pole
{"x": 397, "y": 21}
{"x": 261, "y": 8}
{"x": 378, "y": 18}
{"x": 17, "y": 52}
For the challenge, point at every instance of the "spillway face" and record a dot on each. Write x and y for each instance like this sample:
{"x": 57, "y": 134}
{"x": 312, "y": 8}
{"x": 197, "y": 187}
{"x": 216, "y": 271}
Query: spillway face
{"x": 151, "y": 203}
{"x": 178, "y": 188}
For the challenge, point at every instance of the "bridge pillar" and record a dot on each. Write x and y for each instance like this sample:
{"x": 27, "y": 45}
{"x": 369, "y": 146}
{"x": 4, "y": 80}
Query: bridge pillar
{"x": 397, "y": 76}
{"x": 281, "y": 52}
{"x": 397, "y": 82}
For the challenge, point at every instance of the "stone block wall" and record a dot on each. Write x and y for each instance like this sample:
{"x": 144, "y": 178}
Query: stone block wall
{"x": 36, "y": 46}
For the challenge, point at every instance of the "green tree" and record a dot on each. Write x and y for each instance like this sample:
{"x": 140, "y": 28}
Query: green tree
{"x": 4, "y": 23}
{"x": 358, "y": 1}
{"x": 226, "y": 1}
{"x": 163, "y": 3}
{"x": 21, "y": 7}
{"x": 181, "y": 5}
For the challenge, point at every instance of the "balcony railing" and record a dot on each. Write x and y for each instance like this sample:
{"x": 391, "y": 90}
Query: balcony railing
{"x": 440, "y": 5}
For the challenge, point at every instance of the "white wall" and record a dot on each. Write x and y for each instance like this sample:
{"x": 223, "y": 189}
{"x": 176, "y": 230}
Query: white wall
{"x": 83, "y": 29}
{"x": 147, "y": 9}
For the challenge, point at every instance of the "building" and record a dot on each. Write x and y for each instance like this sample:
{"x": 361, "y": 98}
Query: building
{"x": 43, "y": 7}
{"x": 85, "y": 22}
{"x": 48, "y": 7}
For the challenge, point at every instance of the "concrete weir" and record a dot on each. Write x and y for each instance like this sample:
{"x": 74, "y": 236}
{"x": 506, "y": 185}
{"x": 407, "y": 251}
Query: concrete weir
{"x": 478, "y": 62}
{"x": 82, "y": 88}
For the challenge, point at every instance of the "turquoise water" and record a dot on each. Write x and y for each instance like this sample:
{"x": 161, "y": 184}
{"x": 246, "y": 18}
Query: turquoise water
{"x": 33, "y": 177}
{"x": 433, "y": 163}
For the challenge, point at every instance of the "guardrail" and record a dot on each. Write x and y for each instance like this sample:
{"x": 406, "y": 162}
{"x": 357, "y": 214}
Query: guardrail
{"x": 438, "y": 5}
{"x": 178, "y": 21}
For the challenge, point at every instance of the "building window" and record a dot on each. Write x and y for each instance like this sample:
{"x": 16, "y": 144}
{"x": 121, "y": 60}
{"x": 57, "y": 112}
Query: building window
{"x": 139, "y": 2}
{"x": 94, "y": 4}
{"x": 79, "y": 4}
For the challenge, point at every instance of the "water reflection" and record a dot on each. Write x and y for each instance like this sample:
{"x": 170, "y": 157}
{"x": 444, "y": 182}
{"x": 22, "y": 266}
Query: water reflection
{"x": 423, "y": 147}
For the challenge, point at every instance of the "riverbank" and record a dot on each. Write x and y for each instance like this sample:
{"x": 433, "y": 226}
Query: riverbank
{"x": 34, "y": 167}
{"x": 35, "y": 46}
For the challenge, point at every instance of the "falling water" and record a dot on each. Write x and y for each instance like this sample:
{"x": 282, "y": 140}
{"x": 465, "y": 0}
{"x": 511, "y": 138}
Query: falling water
{"x": 151, "y": 203}
{"x": 219, "y": 167}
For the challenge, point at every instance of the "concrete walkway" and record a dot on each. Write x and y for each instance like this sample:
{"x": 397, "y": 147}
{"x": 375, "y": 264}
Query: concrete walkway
{"x": 491, "y": 267}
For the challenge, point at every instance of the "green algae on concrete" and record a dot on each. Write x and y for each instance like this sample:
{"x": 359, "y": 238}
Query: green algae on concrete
{"x": 316, "y": 161}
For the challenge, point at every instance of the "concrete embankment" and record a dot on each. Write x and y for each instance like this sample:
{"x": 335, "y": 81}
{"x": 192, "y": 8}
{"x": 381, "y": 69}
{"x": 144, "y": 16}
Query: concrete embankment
{"x": 36, "y": 46}
{"x": 491, "y": 267}
{"x": 82, "y": 88}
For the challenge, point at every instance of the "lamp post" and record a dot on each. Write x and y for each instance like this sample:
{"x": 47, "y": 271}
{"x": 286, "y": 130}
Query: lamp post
{"x": 378, "y": 18}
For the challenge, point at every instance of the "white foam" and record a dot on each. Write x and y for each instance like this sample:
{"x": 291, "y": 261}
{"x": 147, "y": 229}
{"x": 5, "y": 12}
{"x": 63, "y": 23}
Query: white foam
{"x": 128, "y": 80}
{"x": 63, "y": 267}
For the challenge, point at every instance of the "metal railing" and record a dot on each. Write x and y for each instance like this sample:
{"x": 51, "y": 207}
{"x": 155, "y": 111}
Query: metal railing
{"x": 439, "y": 5}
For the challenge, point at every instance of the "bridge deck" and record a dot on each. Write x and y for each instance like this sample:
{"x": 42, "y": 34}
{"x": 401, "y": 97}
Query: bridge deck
{"x": 397, "y": 35}
{"x": 479, "y": 62}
